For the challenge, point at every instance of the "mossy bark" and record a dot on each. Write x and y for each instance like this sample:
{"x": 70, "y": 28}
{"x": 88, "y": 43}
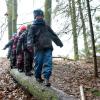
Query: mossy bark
{"x": 14, "y": 16}
{"x": 39, "y": 90}
{"x": 9, "y": 12}
{"x": 74, "y": 29}
{"x": 48, "y": 10}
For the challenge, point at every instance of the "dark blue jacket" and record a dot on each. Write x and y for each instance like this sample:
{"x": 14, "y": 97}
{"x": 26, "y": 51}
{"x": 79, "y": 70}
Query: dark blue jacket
{"x": 31, "y": 37}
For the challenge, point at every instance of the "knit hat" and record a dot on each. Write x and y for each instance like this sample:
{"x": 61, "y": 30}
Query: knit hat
{"x": 38, "y": 12}
{"x": 23, "y": 27}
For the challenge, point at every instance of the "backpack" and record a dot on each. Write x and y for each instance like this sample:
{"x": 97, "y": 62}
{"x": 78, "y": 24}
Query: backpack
{"x": 43, "y": 38}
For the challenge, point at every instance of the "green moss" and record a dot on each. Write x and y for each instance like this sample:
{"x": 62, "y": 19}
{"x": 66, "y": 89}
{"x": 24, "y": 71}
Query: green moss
{"x": 36, "y": 89}
{"x": 95, "y": 92}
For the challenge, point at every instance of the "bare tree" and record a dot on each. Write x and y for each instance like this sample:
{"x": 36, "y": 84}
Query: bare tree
{"x": 93, "y": 41}
{"x": 48, "y": 11}
{"x": 74, "y": 30}
{"x": 84, "y": 30}
{"x": 9, "y": 16}
{"x": 14, "y": 16}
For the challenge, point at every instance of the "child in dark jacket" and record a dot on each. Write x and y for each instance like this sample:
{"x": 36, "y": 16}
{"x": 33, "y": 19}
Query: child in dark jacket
{"x": 12, "y": 50}
{"x": 20, "y": 52}
{"x": 28, "y": 56}
{"x": 40, "y": 36}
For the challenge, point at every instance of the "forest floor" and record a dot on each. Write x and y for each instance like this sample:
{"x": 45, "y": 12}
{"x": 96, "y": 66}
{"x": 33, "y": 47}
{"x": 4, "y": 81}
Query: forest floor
{"x": 67, "y": 76}
{"x": 9, "y": 89}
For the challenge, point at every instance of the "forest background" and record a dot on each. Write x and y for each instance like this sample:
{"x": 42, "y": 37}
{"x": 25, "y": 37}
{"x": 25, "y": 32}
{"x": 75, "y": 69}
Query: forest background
{"x": 60, "y": 22}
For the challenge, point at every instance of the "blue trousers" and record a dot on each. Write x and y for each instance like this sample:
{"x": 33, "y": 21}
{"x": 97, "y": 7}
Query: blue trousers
{"x": 43, "y": 63}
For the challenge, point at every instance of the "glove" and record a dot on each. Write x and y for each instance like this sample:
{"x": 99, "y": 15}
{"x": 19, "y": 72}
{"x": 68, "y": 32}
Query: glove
{"x": 3, "y": 49}
{"x": 30, "y": 49}
{"x": 8, "y": 56}
{"x": 61, "y": 46}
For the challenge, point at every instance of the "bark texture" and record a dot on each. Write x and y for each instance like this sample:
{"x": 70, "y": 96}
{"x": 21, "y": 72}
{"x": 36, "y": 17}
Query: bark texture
{"x": 39, "y": 90}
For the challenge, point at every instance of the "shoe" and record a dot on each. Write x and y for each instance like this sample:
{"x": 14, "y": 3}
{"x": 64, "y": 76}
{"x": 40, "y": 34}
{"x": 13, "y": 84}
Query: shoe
{"x": 40, "y": 80}
{"x": 20, "y": 70}
{"x": 47, "y": 83}
{"x": 11, "y": 67}
{"x": 28, "y": 73}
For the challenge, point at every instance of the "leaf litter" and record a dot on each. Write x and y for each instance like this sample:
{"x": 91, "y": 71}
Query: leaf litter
{"x": 67, "y": 76}
{"x": 9, "y": 89}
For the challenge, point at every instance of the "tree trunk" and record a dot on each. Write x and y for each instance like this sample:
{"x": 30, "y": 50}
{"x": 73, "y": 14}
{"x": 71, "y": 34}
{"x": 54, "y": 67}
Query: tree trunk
{"x": 39, "y": 90}
{"x": 9, "y": 12}
{"x": 14, "y": 16}
{"x": 48, "y": 10}
{"x": 93, "y": 41}
{"x": 74, "y": 30}
{"x": 84, "y": 31}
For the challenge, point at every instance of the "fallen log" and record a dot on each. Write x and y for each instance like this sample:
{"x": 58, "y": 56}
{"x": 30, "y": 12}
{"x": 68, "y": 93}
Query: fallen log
{"x": 39, "y": 90}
